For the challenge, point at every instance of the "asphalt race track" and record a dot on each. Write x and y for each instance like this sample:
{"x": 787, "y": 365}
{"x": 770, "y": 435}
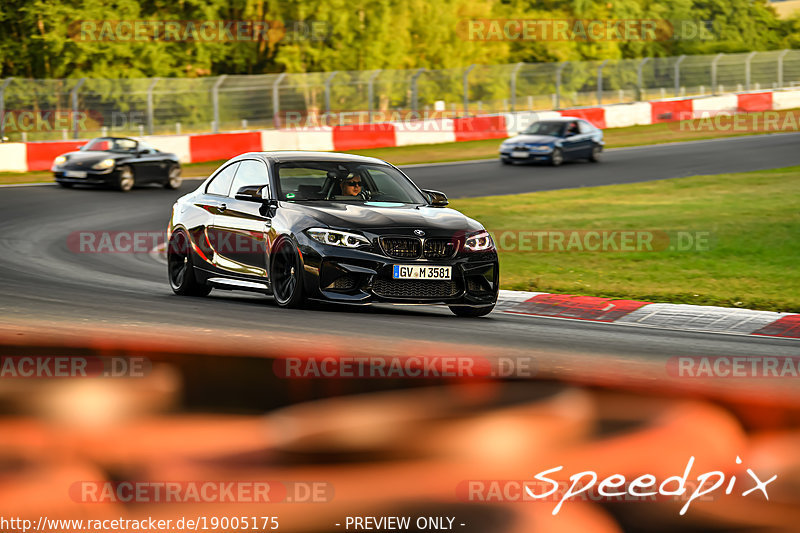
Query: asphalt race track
{"x": 41, "y": 279}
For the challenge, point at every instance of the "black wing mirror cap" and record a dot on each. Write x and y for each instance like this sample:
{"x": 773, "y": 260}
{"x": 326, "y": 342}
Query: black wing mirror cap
{"x": 253, "y": 193}
{"x": 437, "y": 198}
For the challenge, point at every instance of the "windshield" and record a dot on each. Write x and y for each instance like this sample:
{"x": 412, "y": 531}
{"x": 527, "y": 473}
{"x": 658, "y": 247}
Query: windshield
{"x": 546, "y": 128}
{"x": 110, "y": 144}
{"x": 344, "y": 182}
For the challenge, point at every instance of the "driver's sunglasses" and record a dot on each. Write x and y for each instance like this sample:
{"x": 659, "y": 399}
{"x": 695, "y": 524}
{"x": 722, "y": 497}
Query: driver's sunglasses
{"x": 353, "y": 183}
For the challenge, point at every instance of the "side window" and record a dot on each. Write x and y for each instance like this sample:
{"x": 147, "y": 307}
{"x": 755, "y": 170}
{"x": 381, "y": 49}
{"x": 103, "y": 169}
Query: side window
{"x": 585, "y": 127}
{"x": 222, "y": 181}
{"x": 251, "y": 172}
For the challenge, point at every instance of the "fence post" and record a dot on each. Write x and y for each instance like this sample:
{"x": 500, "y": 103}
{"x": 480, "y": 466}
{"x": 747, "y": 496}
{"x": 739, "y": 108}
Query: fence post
{"x": 414, "y": 92}
{"x": 215, "y": 100}
{"x": 747, "y": 61}
{"x": 276, "y": 101}
{"x": 714, "y": 73}
{"x": 780, "y": 67}
{"x": 3, "y": 108}
{"x": 150, "y": 105}
{"x": 640, "y": 78}
{"x": 74, "y": 96}
{"x": 328, "y": 91}
{"x": 514, "y": 72}
{"x": 600, "y": 82}
{"x": 678, "y": 75}
{"x": 466, "y": 88}
{"x": 559, "y": 68}
{"x": 371, "y": 93}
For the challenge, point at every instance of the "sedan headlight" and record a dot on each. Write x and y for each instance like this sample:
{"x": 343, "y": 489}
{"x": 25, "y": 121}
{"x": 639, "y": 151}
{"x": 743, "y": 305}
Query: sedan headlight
{"x": 479, "y": 242}
{"x": 337, "y": 238}
{"x": 104, "y": 164}
{"x": 60, "y": 160}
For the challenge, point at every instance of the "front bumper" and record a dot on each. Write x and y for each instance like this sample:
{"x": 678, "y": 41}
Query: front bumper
{"x": 361, "y": 277}
{"x": 531, "y": 155}
{"x": 91, "y": 176}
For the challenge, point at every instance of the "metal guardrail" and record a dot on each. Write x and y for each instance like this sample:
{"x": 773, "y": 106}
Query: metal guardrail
{"x": 48, "y": 109}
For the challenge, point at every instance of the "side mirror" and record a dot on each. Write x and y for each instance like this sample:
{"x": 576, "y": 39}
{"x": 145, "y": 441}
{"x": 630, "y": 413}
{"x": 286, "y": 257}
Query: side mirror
{"x": 437, "y": 198}
{"x": 253, "y": 193}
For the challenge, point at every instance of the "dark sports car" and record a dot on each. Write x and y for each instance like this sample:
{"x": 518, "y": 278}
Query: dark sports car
{"x": 332, "y": 227}
{"x": 118, "y": 162}
{"x": 554, "y": 141}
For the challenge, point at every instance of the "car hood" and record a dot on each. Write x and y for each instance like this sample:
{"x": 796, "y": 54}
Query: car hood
{"x": 539, "y": 139}
{"x": 385, "y": 216}
{"x": 92, "y": 156}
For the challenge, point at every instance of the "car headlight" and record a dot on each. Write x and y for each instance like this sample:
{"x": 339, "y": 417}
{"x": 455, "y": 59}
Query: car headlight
{"x": 479, "y": 242}
{"x": 104, "y": 164}
{"x": 60, "y": 160}
{"x": 337, "y": 238}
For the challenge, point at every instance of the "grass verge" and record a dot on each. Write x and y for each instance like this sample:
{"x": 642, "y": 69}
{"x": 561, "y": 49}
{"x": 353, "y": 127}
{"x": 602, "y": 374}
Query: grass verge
{"x": 752, "y": 219}
{"x": 471, "y": 150}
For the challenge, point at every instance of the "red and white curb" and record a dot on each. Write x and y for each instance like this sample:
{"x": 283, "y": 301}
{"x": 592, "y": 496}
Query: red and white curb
{"x": 700, "y": 318}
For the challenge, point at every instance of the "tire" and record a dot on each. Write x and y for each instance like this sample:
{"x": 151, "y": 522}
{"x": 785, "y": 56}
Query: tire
{"x": 174, "y": 178}
{"x": 471, "y": 312}
{"x": 557, "y": 158}
{"x": 506, "y": 161}
{"x": 125, "y": 179}
{"x": 65, "y": 184}
{"x": 286, "y": 274}
{"x": 596, "y": 151}
{"x": 180, "y": 269}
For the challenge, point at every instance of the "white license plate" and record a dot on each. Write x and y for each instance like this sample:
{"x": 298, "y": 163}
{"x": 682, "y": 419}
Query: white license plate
{"x": 421, "y": 272}
{"x": 75, "y": 174}
{"x": 519, "y": 153}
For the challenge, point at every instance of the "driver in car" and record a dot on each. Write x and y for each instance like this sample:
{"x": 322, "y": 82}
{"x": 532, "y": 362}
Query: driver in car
{"x": 351, "y": 185}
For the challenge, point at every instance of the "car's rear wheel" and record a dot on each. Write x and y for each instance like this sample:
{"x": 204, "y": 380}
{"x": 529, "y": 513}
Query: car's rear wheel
{"x": 180, "y": 269}
{"x": 125, "y": 179}
{"x": 557, "y": 158}
{"x": 596, "y": 151}
{"x": 471, "y": 312}
{"x": 174, "y": 178}
{"x": 286, "y": 274}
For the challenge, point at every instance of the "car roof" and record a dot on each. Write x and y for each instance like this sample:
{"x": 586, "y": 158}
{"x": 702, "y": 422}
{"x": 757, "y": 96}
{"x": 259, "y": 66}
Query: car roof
{"x": 284, "y": 156}
{"x": 561, "y": 119}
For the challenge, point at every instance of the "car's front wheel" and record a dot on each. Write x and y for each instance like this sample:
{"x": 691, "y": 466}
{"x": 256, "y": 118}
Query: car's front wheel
{"x": 506, "y": 161}
{"x": 180, "y": 269}
{"x": 125, "y": 179}
{"x": 471, "y": 312}
{"x": 557, "y": 158}
{"x": 286, "y": 274}
{"x": 174, "y": 178}
{"x": 66, "y": 184}
{"x": 596, "y": 151}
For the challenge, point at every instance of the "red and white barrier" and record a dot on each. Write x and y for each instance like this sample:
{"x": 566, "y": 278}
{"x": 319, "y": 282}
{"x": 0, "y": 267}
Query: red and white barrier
{"x": 22, "y": 157}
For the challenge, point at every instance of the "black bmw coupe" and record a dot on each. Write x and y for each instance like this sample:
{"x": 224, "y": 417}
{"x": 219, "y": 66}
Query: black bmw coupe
{"x": 118, "y": 162}
{"x": 333, "y": 227}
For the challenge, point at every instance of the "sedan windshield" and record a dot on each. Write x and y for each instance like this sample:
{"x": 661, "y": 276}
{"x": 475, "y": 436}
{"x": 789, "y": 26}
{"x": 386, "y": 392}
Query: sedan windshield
{"x": 110, "y": 144}
{"x": 545, "y": 128}
{"x": 344, "y": 182}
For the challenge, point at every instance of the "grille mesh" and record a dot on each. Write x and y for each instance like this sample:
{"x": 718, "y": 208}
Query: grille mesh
{"x": 438, "y": 248}
{"x": 414, "y": 288}
{"x": 402, "y": 247}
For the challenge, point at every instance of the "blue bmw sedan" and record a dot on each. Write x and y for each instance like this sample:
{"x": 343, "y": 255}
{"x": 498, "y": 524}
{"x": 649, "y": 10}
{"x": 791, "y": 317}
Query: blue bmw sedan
{"x": 554, "y": 141}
